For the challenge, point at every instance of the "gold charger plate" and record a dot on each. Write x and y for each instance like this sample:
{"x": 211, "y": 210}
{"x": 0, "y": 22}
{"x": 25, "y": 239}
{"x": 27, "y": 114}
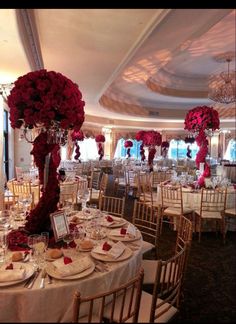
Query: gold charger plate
{"x": 103, "y": 257}
{"x": 51, "y": 270}
{"x": 118, "y": 222}
{"x": 29, "y": 271}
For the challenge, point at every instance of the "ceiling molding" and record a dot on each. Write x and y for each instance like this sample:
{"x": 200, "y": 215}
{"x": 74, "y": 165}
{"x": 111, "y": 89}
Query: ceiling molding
{"x": 157, "y": 19}
{"x": 181, "y": 93}
{"x": 29, "y": 37}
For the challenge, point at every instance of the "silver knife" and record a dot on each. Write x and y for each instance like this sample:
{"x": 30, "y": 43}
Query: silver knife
{"x": 34, "y": 278}
{"x": 43, "y": 275}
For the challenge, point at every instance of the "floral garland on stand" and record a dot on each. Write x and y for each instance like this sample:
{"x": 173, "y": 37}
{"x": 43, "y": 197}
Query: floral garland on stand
{"x": 151, "y": 139}
{"x": 100, "y": 139}
{"x": 164, "y": 148}
{"x": 139, "y": 137}
{"x": 128, "y": 144}
{"x": 52, "y": 103}
{"x": 77, "y": 136}
{"x": 199, "y": 120}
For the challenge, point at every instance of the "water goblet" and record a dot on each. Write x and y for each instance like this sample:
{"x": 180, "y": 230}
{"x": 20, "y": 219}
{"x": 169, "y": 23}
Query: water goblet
{"x": 3, "y": 245}
{"x": 31, "y": 241}
{"x": 45, "y": 236}
{"x": 68, "y": 238}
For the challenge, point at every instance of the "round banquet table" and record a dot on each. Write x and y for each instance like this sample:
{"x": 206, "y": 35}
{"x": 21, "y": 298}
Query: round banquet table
{"x": 54, "y": 303}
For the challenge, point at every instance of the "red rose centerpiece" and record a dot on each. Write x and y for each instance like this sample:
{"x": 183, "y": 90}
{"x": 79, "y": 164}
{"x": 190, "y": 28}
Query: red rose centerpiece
{"x": 199, "y": 120}
{"x": 100, "y": 139}
{"x": 77, "y": 136}
{"x": 151, "y": 139}
{"x": 53, "y": 104}
{"x": 128, "y": 144}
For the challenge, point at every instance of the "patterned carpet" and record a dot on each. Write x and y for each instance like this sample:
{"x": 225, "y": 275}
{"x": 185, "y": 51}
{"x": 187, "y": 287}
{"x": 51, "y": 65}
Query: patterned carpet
{"x": 210, "y": 283}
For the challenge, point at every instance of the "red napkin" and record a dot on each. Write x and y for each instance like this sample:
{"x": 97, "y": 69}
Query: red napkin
{"x": 106, "y": 246}
{"x": 123, "y": 231}
{"x": 67, "y": 260}
{"x": 109, "y": 218}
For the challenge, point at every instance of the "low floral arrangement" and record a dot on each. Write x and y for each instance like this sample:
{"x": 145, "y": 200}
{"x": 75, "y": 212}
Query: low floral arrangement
{"x": 45, "y": 99}
{"x": 198, "y": 120}
{"x": 128, "y": 144}
{"x": 77, "y": 136}
{"x": 99, "y": 140}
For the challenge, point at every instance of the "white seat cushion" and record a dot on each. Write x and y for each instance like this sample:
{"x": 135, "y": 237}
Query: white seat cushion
{"x": 144, "y": 309}
{"x": 210, "y": 214}
{"x": 230, "y": 211}
{"x": 146, "y": 246}
{"x": 176, "y": 211}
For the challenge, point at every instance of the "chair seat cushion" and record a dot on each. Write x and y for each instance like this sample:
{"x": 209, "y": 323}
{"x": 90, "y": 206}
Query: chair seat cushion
{"x": 210, "y": 214}
{"x": 230, "y": 211}
{"x": 144, "y": 309}
{"x": 176, "y": 211}
{"x": 146, "y": 246}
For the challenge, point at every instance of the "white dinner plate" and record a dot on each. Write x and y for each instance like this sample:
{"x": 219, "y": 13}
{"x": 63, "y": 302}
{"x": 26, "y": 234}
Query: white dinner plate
{"x": 51, "y": 270}
{"x": 29, "y": 271}
{"x": 103, "y": 257}
{"x": 125, "y": 238}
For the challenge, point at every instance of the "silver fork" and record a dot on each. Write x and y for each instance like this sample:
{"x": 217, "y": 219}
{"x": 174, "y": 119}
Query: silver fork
{"x": 34, "y": 278}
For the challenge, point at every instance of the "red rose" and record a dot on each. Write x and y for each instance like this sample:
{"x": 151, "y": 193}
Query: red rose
{"x": 106, "y": 246}
{"x": 128, "y": 143}
{"x": 100, "y": 138}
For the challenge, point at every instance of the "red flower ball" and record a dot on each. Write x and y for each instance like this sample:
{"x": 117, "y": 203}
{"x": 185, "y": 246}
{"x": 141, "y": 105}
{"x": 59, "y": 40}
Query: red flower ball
{"x": 152, "y": 138}
{"x": 128, "y": 144}
{"x": 100, "y": 138}
{"x": 202, "y": 117}
{"x": 41, "y": 97}
{"x": 77, "y": 136}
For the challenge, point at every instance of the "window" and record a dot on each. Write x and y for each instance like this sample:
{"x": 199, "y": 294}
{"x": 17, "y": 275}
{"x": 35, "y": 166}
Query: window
{"x": 121, "y": 150}
{"x": 230, "y": 153}
{"x": 178, "y": 149}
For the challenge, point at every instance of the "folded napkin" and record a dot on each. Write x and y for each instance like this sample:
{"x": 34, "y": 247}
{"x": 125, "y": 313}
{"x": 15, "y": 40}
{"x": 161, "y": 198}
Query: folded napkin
{"x": 72, "y": 268}
{"x": 102, "y": 248}
{"x": 118, "y": 232}
{"x": 116, "y": 250}
{"x": 131, "y": 230}
{"x": 12, "y": 274}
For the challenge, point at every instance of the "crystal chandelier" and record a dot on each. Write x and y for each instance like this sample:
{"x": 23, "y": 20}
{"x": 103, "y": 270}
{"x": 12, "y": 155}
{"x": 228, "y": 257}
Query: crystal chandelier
{"x": 222, "y": 86}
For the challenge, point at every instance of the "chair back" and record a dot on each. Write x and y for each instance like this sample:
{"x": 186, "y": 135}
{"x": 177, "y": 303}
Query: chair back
{"x": 212, "y": 200}
{"x": 68, "y": 192}
{"x": 95, "y": 179}
{"x": 19, "y": 173}
{"x": 168, "y": 286}
{"x": 128, "y": 309}
{"x": 112, "y": 205}
{"x": 24, "y": 188}
{"x": 184, "y": 234}
{"x": 146, "y": 219}
{"x": 171, "y": 196}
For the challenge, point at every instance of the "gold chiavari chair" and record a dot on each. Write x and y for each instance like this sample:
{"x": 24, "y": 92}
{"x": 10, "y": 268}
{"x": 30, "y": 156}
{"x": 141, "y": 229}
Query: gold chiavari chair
{"x": 229, "y": 213}
{"x": 116, "y": 305}
{"x": 163, "y": 304}
{"x": 112, "y": 205}
{"x": 24, "y": 188}
{"x": 68, "y": 192}
{"x": 184, "y": 236}
{"x": 212, "y": 206}
{"x": 147, "y": 220}
{"x": 172, "y": 204}
{"x": 95, "y": 194}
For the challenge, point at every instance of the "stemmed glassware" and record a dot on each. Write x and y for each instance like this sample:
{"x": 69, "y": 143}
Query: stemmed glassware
{"x": 32, "y": 239}
{"x": 3, "y": 245}
{"x": 25, "y": 200}
{"x": 68, "y": 238}
{"x": 83, "y": 196}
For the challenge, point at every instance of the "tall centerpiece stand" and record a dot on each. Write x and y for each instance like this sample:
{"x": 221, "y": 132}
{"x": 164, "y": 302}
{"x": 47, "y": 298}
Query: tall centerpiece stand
{"x": 200, "y": 122}
{"x": 51, "y": 104}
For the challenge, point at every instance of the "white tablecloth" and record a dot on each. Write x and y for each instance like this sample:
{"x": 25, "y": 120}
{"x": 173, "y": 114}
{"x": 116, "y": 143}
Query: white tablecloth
{"x": 54, "y": 302}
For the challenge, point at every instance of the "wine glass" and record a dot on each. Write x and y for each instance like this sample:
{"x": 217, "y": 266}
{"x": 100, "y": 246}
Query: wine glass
{"x": 25, "y": 200}
{"x": 45, "y": 238}
{"x": 3, "y": 245}
{"x": 68, "y": 238}
{"x": 83, "y": 196}
{"x": 31, "y": 241}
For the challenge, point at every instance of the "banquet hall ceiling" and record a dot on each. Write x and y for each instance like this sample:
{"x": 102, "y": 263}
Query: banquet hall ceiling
{"x": 136, "y": 68}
